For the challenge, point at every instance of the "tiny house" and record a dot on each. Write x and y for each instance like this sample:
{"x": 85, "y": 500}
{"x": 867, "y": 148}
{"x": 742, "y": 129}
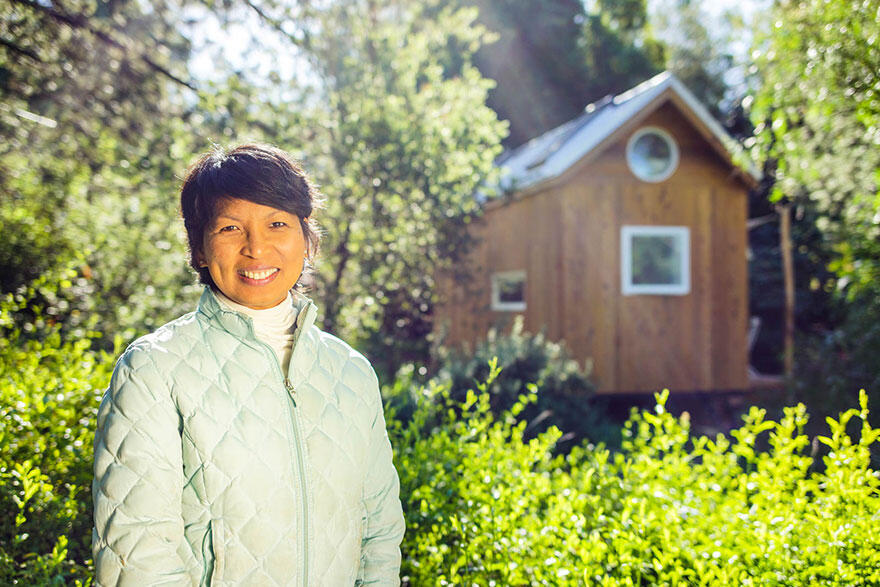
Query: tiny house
{"x": 623, "y": 234}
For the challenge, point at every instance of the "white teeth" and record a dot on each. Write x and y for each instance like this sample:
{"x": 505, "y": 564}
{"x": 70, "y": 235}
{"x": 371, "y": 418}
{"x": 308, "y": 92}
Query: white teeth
{"x": 258, "y": 274}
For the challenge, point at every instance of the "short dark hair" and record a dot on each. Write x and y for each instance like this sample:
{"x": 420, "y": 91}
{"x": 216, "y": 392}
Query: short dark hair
{"x": 259, "y": 173}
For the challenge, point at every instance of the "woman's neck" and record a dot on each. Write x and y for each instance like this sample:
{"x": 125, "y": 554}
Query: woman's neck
{"x": 273, "y": 326}
{"x": 284, "y": 314}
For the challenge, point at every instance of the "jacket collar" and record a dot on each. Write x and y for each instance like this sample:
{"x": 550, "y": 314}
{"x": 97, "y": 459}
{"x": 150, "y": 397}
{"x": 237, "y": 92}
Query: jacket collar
{"x": 242, "y": 326}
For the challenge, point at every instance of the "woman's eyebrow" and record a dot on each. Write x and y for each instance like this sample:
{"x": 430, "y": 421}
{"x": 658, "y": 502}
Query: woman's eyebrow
{"x": 237, "y": 219}
{"x": 220, "y": 217}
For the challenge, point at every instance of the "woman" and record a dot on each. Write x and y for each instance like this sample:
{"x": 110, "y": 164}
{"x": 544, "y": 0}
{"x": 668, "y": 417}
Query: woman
{"x": 240, "y": 444}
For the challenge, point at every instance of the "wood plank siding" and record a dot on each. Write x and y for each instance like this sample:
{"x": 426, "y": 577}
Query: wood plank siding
{"x": 566, "y": 237}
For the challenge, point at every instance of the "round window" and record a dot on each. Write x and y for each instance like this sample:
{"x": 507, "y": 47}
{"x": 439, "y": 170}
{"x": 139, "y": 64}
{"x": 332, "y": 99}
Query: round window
{"x": 652, "y": 154}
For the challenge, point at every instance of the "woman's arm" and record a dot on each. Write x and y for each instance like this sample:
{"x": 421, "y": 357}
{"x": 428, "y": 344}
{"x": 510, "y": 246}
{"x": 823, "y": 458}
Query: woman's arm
{"x": 138, "y": 479}
{"x": 385, "y": 525}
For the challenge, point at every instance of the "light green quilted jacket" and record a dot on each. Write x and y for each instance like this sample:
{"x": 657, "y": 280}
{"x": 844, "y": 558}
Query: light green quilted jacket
{"x": 213, "y": 468}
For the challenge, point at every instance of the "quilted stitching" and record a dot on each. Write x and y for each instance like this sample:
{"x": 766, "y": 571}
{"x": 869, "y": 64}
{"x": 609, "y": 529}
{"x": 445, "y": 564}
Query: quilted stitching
{"x": 196, "y": 461}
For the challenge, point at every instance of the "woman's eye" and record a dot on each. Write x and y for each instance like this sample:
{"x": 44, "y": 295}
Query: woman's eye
{"x": 229, "y": 228}
{"x": 278, "y": 224}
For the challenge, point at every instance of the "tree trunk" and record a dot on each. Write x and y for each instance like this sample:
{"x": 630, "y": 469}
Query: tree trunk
{"x": 784, "y": 211}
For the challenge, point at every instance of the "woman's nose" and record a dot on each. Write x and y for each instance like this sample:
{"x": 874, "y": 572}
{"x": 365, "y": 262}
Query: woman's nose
{"x": 254, "y": 245}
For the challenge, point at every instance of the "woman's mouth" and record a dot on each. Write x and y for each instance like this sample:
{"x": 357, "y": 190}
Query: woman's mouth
{"x": 258, "y": 277}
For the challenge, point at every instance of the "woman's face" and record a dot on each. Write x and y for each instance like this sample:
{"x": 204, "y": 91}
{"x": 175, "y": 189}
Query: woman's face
{"x": 254, "y": 253}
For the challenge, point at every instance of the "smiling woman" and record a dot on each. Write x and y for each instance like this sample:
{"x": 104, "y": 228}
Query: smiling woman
{"x": 223, "y": 190}
{"x": 240, "y": 443}
{"x": 253, "y": 253}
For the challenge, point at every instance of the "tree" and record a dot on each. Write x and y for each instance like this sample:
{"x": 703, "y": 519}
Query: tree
{"x": 695, "y": 52}
{"x": 402, "y": 144}
{"x": 92, "y": 119}
{"x": 817, "y": 116}
{"x": 550, "y": 59}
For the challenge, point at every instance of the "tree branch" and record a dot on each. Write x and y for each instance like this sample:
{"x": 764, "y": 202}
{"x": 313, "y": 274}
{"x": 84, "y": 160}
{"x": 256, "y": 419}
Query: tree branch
{"x": 277, "y": 25}
{"x": 20, "y": 50}
{"x": 81, "y": 22}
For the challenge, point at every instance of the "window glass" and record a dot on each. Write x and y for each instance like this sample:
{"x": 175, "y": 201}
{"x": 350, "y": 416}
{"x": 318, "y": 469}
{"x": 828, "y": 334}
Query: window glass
{"x": 655, "y": 260}
{"x": 509, "y": 291}
{"x": 652, "y": 154}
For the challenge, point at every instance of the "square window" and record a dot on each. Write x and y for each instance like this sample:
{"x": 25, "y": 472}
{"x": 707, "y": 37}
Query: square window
{"x": 509, "y": 291}
{"x": 655, "y": 260}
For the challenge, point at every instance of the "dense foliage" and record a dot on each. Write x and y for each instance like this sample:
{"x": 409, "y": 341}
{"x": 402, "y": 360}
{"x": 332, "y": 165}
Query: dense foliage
{"x": 92, "y": 123}
{"x": 482, "y": 505}
{"x": 485, "y": 508}
{"x": 817, "y": 112}
{"x": 565, "y": 395}
{"x": 49, "y": 391}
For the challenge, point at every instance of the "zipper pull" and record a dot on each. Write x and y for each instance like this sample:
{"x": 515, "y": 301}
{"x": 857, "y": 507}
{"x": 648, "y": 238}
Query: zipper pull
{"x": 290, "y": 391}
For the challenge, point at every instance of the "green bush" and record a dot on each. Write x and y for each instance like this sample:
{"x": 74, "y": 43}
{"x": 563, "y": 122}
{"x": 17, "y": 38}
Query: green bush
{"x": 49, "y": 393}
{"x": 565, "y": 396}
{"x": 485, "y": 508}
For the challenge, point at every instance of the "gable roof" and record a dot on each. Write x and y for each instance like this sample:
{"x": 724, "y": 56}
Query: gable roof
{"x": 548, "y": 156}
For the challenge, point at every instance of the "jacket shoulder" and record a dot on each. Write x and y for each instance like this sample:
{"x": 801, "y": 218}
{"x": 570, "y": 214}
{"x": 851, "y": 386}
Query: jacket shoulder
{"x": 344, "y": 362}
{"x": 180, "y": 333}
{"x": 167, "y": 344}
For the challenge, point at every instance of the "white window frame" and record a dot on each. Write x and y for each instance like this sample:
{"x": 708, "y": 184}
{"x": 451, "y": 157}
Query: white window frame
{"x": 628, "y": 287}
{"x": 673, "y": 153}
{"x": 502, "y": 306}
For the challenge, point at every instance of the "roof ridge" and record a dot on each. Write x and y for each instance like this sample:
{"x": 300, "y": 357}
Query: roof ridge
{"x": 665, "y": 76}
{"x": 551, "y": 153}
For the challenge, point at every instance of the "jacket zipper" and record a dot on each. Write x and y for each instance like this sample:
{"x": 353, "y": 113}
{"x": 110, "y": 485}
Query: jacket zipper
{"x": 297, "y": 442}
{"x": 302, "y": 472}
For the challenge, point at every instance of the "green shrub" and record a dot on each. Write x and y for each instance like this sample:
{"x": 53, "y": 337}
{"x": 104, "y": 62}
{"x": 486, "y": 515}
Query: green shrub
{"x": 485, "y": 508}
{"x": 49, "y": 393}
{"x": 565, "y": 396}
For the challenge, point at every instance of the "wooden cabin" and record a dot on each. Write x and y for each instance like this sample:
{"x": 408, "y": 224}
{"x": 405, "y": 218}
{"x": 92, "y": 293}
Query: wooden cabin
{"x": 622, "y": 233}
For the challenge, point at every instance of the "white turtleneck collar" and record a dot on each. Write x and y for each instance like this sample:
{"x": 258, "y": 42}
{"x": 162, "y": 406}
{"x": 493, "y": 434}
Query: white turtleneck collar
{"x": 274, "y": 326}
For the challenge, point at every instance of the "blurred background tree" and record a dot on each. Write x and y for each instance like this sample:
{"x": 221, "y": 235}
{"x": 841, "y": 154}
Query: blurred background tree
{"x": 699, "y": 53}
{"x": 103, "y": 115}
{"x": 92, "y": 117}
{"x": 553, "y": 58}
{"x": 390, "y": 105}
{"x": 397, "y": 133}
{"x": 817, "y": 114}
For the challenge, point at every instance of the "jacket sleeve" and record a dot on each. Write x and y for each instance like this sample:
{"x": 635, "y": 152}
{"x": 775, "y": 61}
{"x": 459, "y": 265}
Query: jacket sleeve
{"x": 385, "y": 525}
{"x": 138, "y": 479}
